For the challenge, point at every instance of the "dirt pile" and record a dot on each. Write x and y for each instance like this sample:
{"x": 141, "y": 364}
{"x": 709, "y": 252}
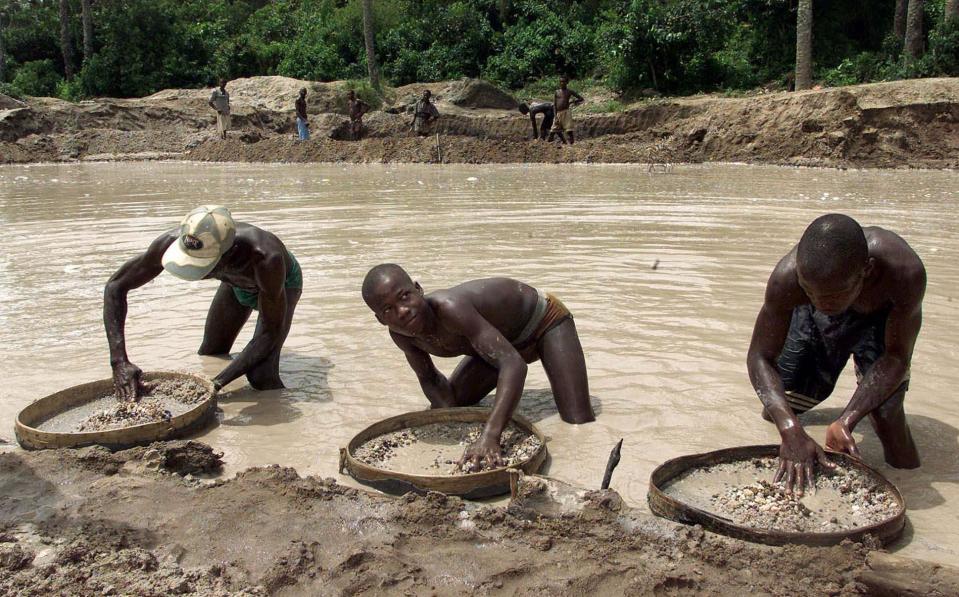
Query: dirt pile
{"x": 898, "y": 124}
{"x": 476, "y": 93}
{"x": 89, "y": 522}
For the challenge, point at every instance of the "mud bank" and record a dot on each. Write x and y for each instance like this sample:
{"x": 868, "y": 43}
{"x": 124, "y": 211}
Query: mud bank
{"x": 898, "y": 124}
{"x": 90, "y": 522}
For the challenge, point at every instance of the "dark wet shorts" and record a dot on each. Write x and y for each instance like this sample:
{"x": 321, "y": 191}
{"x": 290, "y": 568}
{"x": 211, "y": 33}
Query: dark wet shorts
{"x": 818, "y": 347}
{"x": 294, "y": 279}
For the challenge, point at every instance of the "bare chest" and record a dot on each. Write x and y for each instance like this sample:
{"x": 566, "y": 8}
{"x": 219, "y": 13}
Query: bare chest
{"x": 444, "y": 345}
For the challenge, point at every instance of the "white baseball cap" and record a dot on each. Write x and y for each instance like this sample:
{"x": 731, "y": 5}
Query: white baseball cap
{"x": 206, "y": 233}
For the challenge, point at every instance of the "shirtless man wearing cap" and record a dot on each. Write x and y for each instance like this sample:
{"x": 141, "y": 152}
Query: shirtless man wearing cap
{"x": 500, "y": 325}
{"x": 256, "y": 271}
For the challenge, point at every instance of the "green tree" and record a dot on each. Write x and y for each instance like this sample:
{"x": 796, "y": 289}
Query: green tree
{"x": 804, "y": 45}
{"x": 87, "y": 15}
{"x": 66, "y": 44}
{"x": 914, "y": 36}
{"x": 371, "y": 67}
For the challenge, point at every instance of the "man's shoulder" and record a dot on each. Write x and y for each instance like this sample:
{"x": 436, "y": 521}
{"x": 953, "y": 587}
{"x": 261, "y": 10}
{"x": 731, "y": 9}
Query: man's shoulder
{"x": 904, "y": 268}
{"x": 783, "y": 286}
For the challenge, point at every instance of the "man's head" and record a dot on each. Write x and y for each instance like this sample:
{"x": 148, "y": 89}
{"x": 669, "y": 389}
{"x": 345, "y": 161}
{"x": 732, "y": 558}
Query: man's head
{"x": 832, "y": 261}
{"x": 523, "y": 108}
{"x": 351, "y": 95}
{"x": 303, "y": 92}
{"x": 206, "y": 233}
{"x": 563, "y": 82}
{"x": 396, "y": 300}
{"x": 223, "y": 84}
{"x": 427, "y": 94}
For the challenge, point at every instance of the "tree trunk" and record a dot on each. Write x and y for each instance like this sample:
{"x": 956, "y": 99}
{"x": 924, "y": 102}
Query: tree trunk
{"x": 87, "y": 30}
{"x": 899, "y": 22}
{"x": 3, "y": 54}
{"x": 952, "y": 10}
{"x": 65, "y": 47}
{"x": 914, "y": 36}
{"x": 368, "y": 36}
{"x": 804, "y": 45}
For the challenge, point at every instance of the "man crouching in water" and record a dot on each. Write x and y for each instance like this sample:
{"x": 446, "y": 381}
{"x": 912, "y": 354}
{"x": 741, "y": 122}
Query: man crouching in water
{"x": 842, "y": 290}
{"x": 500, "y": 325}
{"x": 255, "y": 270}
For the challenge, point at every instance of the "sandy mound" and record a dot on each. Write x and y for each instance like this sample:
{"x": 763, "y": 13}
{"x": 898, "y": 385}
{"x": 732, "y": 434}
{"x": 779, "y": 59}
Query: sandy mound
{"x": 476, "y": 93}
{"x": 8, "y": 103}
{"x": 899, "y": 124}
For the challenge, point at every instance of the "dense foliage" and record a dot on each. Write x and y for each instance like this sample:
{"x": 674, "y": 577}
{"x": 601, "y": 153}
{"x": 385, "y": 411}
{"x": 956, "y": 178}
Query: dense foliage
{"x": 673, "y": 46}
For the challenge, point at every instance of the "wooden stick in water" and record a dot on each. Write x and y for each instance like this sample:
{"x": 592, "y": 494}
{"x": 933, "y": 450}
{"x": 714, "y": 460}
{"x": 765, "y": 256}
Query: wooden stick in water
{"x": 611, "y": 464}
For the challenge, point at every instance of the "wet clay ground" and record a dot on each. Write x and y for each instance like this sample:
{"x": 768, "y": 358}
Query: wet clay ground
{"x": 87, "y": 522}
{"x": 665, "y": 347}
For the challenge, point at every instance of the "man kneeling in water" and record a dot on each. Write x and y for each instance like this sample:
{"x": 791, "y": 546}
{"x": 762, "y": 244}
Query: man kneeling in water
{"x": 255, "y": 270}
{"x": 842, "y": 290}
{"x": 500, "y": 325}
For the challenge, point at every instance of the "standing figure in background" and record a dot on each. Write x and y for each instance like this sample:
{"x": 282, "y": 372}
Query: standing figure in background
{"x": 563, "y": 100}
{"x": 357, "y": 109}
{"x": 424, "y": 115}
{"x": 302, "y": 122}
{"x": 220, "y": 101}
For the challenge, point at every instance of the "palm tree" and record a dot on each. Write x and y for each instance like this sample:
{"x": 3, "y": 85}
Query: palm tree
{"x": 87, "y": 30}
{"x": 368, "y": 36}
{"x": 804, "y": 45}
{"x": 65, "y": 47}
{"x": 899, "y": 21}
{"x": 914, "y": 37}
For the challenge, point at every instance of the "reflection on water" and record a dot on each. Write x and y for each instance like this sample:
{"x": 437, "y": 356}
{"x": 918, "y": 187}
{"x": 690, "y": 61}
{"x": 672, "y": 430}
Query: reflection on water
{"x": 665, "y": 347}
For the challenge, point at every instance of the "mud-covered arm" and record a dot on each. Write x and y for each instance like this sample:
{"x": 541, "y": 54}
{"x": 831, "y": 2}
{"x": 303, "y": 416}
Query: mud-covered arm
{"x": 270, "y": 276}
{"x": 798, "y": 453}
{"x": 532, "y": 121}
{"x": 490, "y": 345}
{"x": 132, "y": 274}
{"x": 769, "y": 336}
{"x": 886, "y": 374}
{"x": 435, "y": 385}
{"x": 577, "y": 98}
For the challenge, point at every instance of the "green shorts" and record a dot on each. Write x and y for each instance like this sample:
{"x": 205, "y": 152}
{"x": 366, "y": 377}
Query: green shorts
{"x": 294, "y": 279}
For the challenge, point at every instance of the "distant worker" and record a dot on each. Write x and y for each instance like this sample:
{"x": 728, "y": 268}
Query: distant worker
{"x": 544, "y": 108}
{"x": 563, "y": 100}
{"x": 357, "y": 109}
{"x": 220, "y": 101}
{"x": 424, "y": 115}
{"x": 302, "y": 121}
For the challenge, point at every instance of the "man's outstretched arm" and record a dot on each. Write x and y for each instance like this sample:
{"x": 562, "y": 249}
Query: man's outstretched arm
{"x": 132, "y": 274}
{"x": 887, "y": 373}
{"x": 798, "y": 452}
{"x": 490, "y": 345}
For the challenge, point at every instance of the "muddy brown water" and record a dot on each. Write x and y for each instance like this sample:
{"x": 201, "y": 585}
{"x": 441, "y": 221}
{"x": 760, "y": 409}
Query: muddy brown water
{"x": 665, "y": 348}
